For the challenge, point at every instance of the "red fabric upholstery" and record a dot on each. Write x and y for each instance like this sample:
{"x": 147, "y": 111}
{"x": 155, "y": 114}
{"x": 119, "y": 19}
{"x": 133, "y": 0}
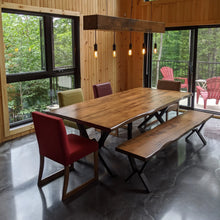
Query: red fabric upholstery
{"x": 102, "y": 89}
{"x": 212, "y": 92}
{"x": 167, "y": 73}
{"x": 55, "y": 144}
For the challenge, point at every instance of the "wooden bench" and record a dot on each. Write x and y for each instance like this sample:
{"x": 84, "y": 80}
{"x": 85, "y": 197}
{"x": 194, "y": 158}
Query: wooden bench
{"x": 146, "y": 145}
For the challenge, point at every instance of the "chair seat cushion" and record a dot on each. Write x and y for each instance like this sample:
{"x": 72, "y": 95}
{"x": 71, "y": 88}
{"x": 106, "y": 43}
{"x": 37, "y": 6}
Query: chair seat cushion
{"x": 75, "y": 149}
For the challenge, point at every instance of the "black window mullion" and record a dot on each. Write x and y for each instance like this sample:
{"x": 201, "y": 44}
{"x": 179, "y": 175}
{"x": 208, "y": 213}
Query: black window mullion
{"x": 48, "y": 33}
{"x": 193, "y": 60}
{"x": 148, "y": 60}
{"x": 76, "y": 51}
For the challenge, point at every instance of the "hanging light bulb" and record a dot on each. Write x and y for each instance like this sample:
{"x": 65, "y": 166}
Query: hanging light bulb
{"x": 155, "y": 45}
{"x": 144, "y": 49}
{"x": 130, "y": 47}
{"x": 95, "y": 48}
{"x": 130, "y": 50}
{"x": 114, "y": 48}
{"x": 155, "y": 48}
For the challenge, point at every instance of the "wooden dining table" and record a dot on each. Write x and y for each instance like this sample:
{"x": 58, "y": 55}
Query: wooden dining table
{"x": 111, "y": 112}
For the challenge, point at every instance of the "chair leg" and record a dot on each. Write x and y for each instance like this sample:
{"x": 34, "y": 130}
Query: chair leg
{"x": 197, "y": 97}
{"x": 40, "y": 170}
{"x": 66, "y": 194}
{"x": 205, "y": 103}
{"x": 41, "y": 182}
{"x": 65, "y": 183}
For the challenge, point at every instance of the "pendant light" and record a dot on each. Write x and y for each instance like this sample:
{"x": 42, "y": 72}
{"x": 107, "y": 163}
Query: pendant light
{"x": 95, "y": 48}
{"x": 144, "y": 49}
{"x": 130, "y": 47}
{"x": 114, "y": 48}
{"x": 155, "y": 46}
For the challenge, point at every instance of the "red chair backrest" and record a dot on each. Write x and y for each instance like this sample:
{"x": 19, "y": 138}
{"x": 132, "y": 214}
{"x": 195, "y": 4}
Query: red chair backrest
{"x": 102, "y": 89}
{"x": 167, "y": 73}
{"x": 51, "y": 136}
{"x": 213, "y": 87}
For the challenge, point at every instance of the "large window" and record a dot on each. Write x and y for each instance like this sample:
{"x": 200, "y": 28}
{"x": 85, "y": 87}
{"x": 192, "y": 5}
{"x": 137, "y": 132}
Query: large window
{"x": 41, "y": 58}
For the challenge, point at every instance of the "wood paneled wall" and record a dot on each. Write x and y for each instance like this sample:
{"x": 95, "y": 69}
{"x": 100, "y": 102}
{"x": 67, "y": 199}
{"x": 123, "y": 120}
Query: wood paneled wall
{"x": 123, "y": 72}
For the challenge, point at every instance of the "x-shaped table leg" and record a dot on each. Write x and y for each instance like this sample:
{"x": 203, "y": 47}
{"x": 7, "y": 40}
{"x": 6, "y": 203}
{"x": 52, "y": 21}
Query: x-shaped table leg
{"x": 101, "y": 141}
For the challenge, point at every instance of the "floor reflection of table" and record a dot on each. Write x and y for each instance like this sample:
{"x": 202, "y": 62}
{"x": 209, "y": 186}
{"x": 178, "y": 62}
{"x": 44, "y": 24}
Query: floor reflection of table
{"x": 201, "y": 83}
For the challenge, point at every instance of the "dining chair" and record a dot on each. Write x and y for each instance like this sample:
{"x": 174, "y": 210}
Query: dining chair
{"x": 102, "y": 89}
{"x": 55, "y": 144}
{"x": 69, "y": 97}
{"x": 167, "y": 74}
{"x": 170, "y": 85}
{"x": 212, "y": 91}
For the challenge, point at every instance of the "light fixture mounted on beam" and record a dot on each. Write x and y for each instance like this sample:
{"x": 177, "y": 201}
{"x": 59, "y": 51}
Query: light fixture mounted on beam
{"x": 109, "y": 23}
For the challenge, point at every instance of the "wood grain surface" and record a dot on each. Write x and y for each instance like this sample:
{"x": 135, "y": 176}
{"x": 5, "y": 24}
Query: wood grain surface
{"x": 150, "y": 142}
{"x": 110, "y": 112}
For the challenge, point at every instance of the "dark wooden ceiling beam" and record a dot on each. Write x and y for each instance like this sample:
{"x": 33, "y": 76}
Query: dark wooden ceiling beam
{"x": 109, "y": 23}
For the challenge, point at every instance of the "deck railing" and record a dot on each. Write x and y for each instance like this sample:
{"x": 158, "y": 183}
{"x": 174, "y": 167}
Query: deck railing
{"x": 204, "y": 70}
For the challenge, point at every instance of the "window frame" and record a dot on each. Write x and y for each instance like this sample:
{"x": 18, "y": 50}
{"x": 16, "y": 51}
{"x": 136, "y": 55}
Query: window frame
{"x": 48, "y": 36}
{"x": 49, "y": 71}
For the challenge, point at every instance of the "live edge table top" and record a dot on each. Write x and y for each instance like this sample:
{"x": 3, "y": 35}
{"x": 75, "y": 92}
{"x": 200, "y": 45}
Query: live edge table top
{"x": 112, "y": 111}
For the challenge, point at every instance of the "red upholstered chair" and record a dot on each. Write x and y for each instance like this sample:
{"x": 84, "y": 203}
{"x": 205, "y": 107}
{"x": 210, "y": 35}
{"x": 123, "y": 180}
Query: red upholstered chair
{"x": 65, "y": 149}
{"x": 212, "y": 92}
{"x": 167, "y": 73}
{"x": 102, "y": 89}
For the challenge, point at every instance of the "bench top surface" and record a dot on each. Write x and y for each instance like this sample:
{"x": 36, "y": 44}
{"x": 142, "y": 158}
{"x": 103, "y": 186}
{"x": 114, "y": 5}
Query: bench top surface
{"x": 147, "y": 144}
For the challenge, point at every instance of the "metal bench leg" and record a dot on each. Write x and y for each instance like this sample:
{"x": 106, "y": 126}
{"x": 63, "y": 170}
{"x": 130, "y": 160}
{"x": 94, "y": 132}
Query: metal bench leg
{"x": 140, "y": 173}
{"x": 199, "y": 134}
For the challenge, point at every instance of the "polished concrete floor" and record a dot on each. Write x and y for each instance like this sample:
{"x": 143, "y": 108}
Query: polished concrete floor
{"x": 185, "y": 180}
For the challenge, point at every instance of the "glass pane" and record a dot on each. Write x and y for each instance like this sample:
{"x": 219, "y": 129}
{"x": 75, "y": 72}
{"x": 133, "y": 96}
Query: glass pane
{"x": 25, "y": 97}
{"x": 63, "y": 55}
{"x": 22, "y": 43}
{"x": 173, "y": 50}
{"x": 60, "y": 83}
{"x": 208, "y": 66}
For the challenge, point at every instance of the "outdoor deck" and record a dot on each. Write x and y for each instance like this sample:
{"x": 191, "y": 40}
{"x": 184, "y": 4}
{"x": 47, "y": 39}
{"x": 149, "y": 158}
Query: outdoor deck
{"x": 211, "y": 104}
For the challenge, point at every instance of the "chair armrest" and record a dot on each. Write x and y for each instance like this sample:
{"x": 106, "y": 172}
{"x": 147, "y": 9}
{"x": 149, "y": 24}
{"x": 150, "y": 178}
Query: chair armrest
{"x": 200, "y": 89}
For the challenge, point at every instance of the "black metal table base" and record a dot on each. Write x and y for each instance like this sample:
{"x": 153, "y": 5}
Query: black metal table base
{"x": 101, "y": 141}
{"x": 156, "y": 114}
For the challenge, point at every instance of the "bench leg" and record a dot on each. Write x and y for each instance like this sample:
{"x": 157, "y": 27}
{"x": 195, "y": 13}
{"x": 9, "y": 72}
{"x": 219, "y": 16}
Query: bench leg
{"x": 199, "y": 134}
{"x": 140, "y": 173}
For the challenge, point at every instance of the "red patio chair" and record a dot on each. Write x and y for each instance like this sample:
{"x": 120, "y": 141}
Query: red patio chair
{"x": 65, "y": 149}
{"x": 167, "y": 73}
{"x": 212, "y": 92}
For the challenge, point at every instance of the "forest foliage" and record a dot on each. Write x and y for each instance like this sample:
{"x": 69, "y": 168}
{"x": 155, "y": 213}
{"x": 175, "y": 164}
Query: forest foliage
{"x": 24, "y": 47}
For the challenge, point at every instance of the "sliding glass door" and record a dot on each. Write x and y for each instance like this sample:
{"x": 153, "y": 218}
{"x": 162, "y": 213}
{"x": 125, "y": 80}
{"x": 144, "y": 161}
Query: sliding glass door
{"x": 171, "y": 58}
{"x": 191, "y": 56}
{"x": 208, "y": 66}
